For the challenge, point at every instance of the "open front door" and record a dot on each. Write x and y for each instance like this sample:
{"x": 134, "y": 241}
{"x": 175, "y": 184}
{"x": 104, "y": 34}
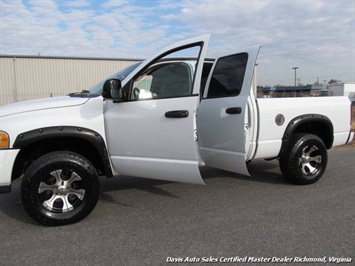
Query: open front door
{"x": 151, "y": 133}
{"x": 222, "y": 113}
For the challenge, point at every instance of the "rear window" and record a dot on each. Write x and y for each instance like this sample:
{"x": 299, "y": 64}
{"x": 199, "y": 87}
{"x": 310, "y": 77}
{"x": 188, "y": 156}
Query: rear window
{"x": 228, "y": 75}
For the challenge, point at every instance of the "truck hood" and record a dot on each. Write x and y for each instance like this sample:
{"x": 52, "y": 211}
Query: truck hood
{"x": 41, "y": 104}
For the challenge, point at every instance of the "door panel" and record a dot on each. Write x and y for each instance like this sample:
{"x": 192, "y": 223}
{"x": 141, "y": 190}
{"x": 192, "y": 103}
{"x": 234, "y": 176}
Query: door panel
{"x": 148, "y": 144}
{"x": 221, "y": 115}
{"x": 152, "y": 134}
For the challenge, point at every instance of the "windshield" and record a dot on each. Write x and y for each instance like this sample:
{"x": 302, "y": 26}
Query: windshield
{"x": 96, "y": 90}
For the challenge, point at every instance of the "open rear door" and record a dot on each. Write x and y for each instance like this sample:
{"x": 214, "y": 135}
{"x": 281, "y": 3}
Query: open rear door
{"x": 221, "y": 114}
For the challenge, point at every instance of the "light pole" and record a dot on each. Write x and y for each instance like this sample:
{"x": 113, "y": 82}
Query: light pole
{"x": 295, "y": 68}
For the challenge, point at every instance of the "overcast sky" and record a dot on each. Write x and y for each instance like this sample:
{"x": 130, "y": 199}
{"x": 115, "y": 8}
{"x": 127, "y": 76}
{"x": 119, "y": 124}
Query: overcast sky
{"x": 318, "y": 36}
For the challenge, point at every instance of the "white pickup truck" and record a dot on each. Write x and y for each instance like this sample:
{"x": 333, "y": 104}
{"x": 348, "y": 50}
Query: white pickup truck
{"x": 162, "y": 118}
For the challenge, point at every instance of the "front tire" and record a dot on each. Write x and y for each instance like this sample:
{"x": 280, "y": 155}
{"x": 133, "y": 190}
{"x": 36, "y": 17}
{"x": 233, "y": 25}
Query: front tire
{"x": 60, "y": 188}
{"x": 305, "y": 160}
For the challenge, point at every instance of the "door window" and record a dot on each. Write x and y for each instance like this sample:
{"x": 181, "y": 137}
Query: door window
{"x": 171, "y": 75}
{"x": 164, "y": 80}
{"x": 228, "y": 75}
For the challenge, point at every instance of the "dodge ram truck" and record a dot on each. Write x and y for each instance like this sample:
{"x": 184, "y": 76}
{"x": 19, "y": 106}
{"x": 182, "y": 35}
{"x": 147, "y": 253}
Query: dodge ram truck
{"x": 162, "y": 118}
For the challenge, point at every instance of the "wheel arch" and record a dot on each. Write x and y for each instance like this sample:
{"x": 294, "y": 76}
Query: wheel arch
{"x": 86, "y": 142}
{"x": 316, "y": 124}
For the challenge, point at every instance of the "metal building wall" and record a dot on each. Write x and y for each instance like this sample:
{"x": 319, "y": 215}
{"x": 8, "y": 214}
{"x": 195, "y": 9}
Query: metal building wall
{"x": 25, "y": 78}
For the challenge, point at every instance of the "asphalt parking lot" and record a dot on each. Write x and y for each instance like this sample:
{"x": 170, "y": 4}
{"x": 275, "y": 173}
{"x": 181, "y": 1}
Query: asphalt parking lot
{"x": 147, "y": 222}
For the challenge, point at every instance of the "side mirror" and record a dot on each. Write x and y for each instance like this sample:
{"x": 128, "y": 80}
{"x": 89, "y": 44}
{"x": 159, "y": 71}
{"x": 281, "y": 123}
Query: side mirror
{"x": 112, "y": 90}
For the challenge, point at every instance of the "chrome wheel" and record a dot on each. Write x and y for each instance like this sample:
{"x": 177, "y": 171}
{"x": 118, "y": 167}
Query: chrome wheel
{"x": 61, "y": 191}
{"x": 310, "y": 160}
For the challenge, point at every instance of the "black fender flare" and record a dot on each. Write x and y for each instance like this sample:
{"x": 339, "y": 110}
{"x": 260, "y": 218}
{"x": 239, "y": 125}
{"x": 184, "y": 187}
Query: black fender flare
{"x": 91, "y": 136}
{"x": 295, "y": 124}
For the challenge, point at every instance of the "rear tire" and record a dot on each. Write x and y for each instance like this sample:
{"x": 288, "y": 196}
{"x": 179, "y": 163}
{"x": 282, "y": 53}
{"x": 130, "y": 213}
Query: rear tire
{"x": 60, "y": 188}
{"x": 305, "y": 159}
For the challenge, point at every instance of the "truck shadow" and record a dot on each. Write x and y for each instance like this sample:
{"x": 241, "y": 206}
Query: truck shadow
{"x": 261, "y": 171}
{"x": 11, "y": 205}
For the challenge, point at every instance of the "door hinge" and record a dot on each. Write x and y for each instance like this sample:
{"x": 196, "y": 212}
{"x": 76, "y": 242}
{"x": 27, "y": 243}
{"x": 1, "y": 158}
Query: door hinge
{"x": 195, "y": 135}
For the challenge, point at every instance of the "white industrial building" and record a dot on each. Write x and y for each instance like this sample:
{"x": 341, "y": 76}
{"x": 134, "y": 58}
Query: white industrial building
{"x": 343, "y": 89}
{"x": 32, "y": 77}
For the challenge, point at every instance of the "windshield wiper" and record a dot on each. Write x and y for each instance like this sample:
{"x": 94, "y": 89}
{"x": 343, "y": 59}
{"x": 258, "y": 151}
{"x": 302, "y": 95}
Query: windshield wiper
{"x": 83, "y": 93}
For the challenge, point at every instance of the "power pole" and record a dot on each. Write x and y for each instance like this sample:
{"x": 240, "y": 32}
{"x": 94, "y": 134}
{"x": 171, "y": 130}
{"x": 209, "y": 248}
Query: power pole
{"x": 295, "y": 68}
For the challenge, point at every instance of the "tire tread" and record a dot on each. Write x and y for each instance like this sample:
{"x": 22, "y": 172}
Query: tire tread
{"x": 291, "y": 170}
{"x": 30, "y": 179}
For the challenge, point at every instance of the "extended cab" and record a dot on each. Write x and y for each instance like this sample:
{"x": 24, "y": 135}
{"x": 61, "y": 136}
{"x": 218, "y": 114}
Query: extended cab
{"x": 162, "y": 118}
